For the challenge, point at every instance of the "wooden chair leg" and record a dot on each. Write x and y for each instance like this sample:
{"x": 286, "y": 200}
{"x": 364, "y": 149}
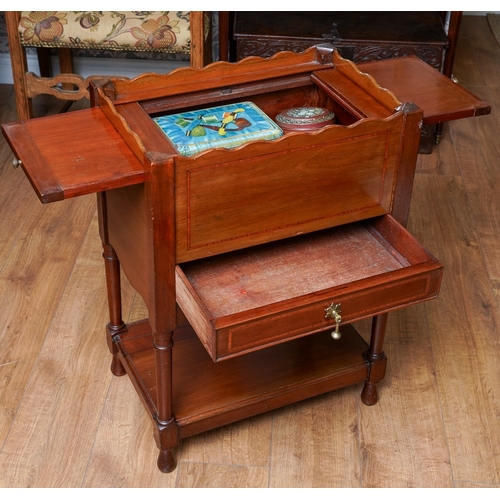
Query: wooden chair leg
{"x": 224, "y": 35}
{"x": 449, "y": 57}
{"x": 44, "y": 61}
{"x": 66, "y": 66}
{"x": 453, "y": 30}
{"x": 201, "y": 46}
{"x": 19, "y": 66}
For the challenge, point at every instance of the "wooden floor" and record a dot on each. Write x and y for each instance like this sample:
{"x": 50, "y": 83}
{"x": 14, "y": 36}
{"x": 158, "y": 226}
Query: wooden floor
{"x": 65, "y": 421}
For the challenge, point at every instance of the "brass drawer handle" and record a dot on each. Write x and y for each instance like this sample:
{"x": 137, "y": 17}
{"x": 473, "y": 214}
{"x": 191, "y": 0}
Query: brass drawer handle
{"x": 333, "y": 312}
{"x": 16, "y": 163}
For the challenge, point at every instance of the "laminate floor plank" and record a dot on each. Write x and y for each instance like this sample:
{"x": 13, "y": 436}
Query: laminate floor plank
{"x": 403, "y": 440}
{"x": 496, "y": 288}
{"x": 246, "y": 443}
{"x": 124, "y": 453}
{"x": 32, "y": 280}
{"x": 464, "y": 322}
{"x": 465, "y": 484}
{"x": 51, "y": 439}
{"x": 481, "y": 176}
{"x": 485, "y": 51}
{"x": 15, "y": 191}
{"x": 194, "y": 475}
{"x": 443, "y": 160}
{"x": 316, "y": 442}
{"x": 466, "y": 68}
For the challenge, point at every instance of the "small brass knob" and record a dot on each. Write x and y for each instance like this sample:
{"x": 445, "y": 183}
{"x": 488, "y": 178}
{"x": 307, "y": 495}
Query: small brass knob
{"x": 16, "y": 163}
{"x": 333, "y": 312}
{"x": 336, "y": 335}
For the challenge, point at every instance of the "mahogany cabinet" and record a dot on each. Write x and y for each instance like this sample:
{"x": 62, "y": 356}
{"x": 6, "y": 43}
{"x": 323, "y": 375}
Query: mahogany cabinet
{"x": 253, "y": 262}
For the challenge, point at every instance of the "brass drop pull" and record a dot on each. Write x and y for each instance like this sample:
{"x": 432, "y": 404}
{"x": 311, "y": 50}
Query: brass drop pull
{"x": 333, "y": 311}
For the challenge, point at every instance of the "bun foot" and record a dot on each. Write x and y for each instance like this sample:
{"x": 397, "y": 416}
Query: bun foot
{"x": 166, "y": 461}
{"x": 369, "y": 395}
{"x": 116, "y": 367}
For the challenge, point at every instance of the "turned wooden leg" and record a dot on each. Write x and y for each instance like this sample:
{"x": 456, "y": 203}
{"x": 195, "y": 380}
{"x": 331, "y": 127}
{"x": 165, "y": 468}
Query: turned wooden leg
{"x": 113, "y": 285}
{"x": 168, "y": 431}
{"x": 376, "y": 357}
{"x": 116, "y": 324}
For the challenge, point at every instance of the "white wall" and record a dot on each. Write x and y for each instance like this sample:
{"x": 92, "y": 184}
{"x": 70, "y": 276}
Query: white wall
{"x": 87, "y": 66}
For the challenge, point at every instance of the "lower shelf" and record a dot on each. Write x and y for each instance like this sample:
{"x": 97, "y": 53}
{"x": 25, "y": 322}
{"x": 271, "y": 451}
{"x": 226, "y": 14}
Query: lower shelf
{"x": 207, "y": 395}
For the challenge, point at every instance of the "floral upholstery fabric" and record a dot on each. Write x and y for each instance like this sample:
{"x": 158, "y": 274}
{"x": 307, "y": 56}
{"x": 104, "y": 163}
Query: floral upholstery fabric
{"x": 135, "y": 31}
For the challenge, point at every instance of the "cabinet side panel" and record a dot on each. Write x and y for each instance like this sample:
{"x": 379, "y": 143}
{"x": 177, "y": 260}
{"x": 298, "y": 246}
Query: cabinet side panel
{"x": 130, "y": 236}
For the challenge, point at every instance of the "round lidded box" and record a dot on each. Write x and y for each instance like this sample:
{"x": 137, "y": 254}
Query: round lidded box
{"x": 305, "y": 118}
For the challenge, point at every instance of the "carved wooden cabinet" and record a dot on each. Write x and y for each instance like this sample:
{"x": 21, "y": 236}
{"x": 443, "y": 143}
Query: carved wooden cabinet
{"x": 358, "y": 36}
{"x": 253, "y": 262}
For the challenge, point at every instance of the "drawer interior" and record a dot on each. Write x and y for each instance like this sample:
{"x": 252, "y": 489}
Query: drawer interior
{"x": 249, "y": 299}
{"x": 244, "y": 280}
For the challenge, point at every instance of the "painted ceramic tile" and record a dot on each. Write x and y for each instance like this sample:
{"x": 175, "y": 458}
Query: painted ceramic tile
{"x": 225, "y": 126}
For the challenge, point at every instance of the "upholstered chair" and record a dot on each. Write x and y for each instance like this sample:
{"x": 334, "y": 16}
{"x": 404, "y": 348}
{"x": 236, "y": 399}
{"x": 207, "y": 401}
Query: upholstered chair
{"x": 170, "y": 32}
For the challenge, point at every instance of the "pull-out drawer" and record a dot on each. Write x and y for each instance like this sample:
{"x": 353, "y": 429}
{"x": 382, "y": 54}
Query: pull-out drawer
{"x": 253, "y": 298}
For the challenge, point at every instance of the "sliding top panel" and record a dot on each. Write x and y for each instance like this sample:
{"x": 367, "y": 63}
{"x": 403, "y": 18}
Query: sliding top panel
{"x": 73, "y": 154}
{"x": 413, "y": 80}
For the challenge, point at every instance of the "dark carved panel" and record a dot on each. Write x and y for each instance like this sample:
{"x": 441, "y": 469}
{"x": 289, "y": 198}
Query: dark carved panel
{"x": 266, "y": 47}
{"x": 432, "y": 55}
